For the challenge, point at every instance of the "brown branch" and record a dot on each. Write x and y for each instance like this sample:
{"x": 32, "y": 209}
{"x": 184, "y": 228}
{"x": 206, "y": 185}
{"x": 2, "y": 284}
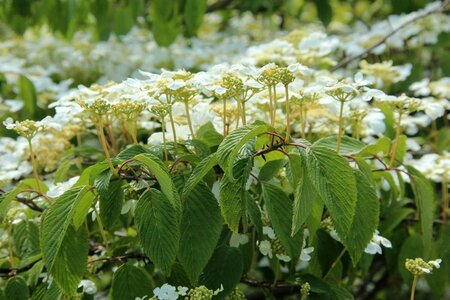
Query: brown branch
{"x": 349, "y": 59}
{"x": 120, "y": 258}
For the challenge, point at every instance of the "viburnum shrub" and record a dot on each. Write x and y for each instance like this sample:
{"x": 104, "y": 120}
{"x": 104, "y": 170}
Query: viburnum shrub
{"x": 253, "y": 180}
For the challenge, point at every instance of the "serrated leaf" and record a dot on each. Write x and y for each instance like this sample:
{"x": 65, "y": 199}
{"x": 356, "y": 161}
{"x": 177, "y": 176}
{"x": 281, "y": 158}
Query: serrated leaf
{"x": 70, "y": 264}
{"x": 16, "y": 289}
{"x": 111, "y": 204}
{"x": 365, "y": 220}
{"x": 304, "y": 200}
{"x": 131, "y": 152}
{"x": 425, "y": 201}
{"x": 209, "y": 135}
{"x": 101, "y": 182}
{"x": 333, "y": 179}
{"x": 279, "y": 207}
{"x": 198, "y": 173}
{"x": 158, "y": 228}
{"x": 224, "y": 269}
{"x": 201, "y": 225}
{"x": 26, "y": 238}
{"x": 58, "y": 218}
{"x": 230, "y": 146}
{"x": 233, "y": 194}
{"x": 157, "y": 167}
{"x": 130, "y": 282}
{"x": 348, "y": 145}
{"x": 381, "y": 146}
{"x": 271, "y": 169}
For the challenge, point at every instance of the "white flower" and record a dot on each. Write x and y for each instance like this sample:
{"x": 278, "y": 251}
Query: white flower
{"x": 283, "y": 257}
{"x": 265, "y": 248}
{"x": 374, "y": 245}
{"x": 305, "y": 255}
{"x": 436, "y": 263}
{"x": 269, "y": 232}
{"x": 238, "y": 239}
{"x": 166, "y": 292}
{"x": 88, "y": 287}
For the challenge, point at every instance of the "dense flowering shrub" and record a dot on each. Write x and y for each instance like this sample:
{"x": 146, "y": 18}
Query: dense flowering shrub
{"x": 297, "y": 166}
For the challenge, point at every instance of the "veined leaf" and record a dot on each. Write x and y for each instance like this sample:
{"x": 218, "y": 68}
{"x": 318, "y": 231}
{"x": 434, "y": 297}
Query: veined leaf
{"x": 70, "y": 208}
{"x": 305, "y": 198}
{"x": 201, "y": 225}
{"x": 158, "y": 228}
{"x": 224, "y": 269}
{"x": 233, "y": 194}
{"x": 157, "y": 167}
{"x": 16, "y": 289}
{"x": 279, "y": 208}
{"x": 425, "y": 201}
{"x": 230, "y": 146}
{"x": 335, "y": 183}
{"x": 130, "y": 282}
{"x": 70, "y": 263}
{"x": 198, "y": 173}
{"x": 381, "y": 145}
{"x": 111, "y": 204}
{"x": 365, "y": 221}
{"x": 26, "y": 239}
{"x": 271, "y": 169}
{"x": 348, "y": 145}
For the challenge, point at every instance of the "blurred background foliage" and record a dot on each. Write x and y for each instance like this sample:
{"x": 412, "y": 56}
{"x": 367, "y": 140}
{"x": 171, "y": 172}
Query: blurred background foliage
{"x": 169, "y": 18}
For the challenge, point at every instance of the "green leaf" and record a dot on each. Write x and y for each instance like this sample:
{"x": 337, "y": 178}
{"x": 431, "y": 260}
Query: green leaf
{"x": 425, "y": 201}
{"x": 271, "y": 169}
{"x": 304, "y": 200}
{"x": 16, "y": 289}
{"x": 401, "y": 148}
{"x": 63, "y": 212}
{"x": 131, "y": 152}
{"x": 26, "y": 238}
{"x": 294, "y": 170}
{"x": 165, "y": 21}
{"x": 224, "y": 269}
{"x": 193, "y": 13}
{"x": 209, "y": 135}
{"x": 333, "y": 179}
{"x": 365, "y": 221}
{"x": 230, "y": 146}
{"x": 101, "y": 182}
{"x": 130, "y": 282}
{"x": 70, "y": 264}
{"x": 27, "y": 92}
{"x": 324, "y": 11}
{"x": 201, "y": 225}
{"x": 198, "y": 173}
{"x": 26, "y": 184}
{"x": 111, "y": 204}
{"x": 158, "y": 228}
{"x": 348, "y": 145}
{"x": 279, "y": 208}
{"x": 233, "y": 194}
{"x": 157, "y": 167}
{"x": 381, "y": 146}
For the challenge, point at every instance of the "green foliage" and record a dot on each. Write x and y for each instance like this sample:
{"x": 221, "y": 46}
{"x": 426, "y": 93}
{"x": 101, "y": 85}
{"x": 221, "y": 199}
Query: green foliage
{"x": 130, "y": 282}
{"x": 159, "y": 228}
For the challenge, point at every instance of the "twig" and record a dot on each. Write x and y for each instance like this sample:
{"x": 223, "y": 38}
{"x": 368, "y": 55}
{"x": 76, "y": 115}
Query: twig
{"x": 349, "y": 59}
{"x": 120, "y": 258}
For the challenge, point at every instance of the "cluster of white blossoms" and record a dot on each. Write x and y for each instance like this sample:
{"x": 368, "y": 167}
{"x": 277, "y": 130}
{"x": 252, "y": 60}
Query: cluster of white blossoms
{"x": 169, "y": 292}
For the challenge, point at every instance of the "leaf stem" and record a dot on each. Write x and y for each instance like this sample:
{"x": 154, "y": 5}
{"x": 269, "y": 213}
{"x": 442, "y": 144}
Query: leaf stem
{"x": 101, "y": 135}
{"x": 188, "y": 117}
{"x": 163, "y": 128}
{"x": 174, "y": 134}
{"x": 224, "y": 117}
{"x": 100, "y": 226}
